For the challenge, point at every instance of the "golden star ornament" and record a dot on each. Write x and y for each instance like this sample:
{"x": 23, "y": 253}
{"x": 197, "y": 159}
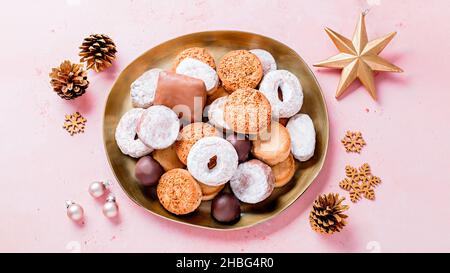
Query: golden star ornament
{"x": 358, "y": 58}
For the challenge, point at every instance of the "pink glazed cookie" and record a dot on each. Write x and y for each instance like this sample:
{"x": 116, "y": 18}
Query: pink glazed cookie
{"x": 158, "y": 127}
{"x": 253, "y": 182}
{"x": 126, "y": 135}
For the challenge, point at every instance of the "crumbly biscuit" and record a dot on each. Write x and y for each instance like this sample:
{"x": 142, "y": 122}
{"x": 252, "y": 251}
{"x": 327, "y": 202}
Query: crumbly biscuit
{"x": 209, "y": 192}
{"x": 247, "y": 111}
{"x": 178, "y": 192}
{"x": 275, "y": 148}
{"x": 284, "y": 171}
{"x": 240, "y": 69}
{"x": 168, "y": 158}
{"x": 189, "y": 135}
{"x": 197, "y": 53}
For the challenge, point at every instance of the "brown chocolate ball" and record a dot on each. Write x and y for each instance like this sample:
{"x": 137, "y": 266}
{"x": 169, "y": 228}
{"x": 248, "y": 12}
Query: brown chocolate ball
{"x": 225, "y": 208}
{"x": 148, "y": 171}
{"x": 242, "y": 146}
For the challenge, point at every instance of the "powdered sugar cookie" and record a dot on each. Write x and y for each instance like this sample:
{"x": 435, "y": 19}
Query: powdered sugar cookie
{"x": 143, "y": 89}
{"x": 199, "y": 70}
{"x": 189, "y": 135}
{"x": 267, "y": 60}
{"x": 158, "y": 127}
{"x": 197, "y": 53}
{"x": 126, "y": 135}
{"x": 212, "y": 161}
{"x": 253, "y": 182}
{"x": 291, "y": 90}
{"x": 303, "y": 136}
{"x": 215, "y": 113}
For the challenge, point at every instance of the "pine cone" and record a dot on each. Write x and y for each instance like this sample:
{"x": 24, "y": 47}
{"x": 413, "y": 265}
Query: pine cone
{"x": 69, "y": 80}
{"x": 98, "y": 50}
{"x": 327, "y": 214}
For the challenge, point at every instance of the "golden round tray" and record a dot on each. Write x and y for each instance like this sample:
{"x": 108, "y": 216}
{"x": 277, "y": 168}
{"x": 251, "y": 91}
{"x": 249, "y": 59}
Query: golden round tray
{"x": 218, "y": 43}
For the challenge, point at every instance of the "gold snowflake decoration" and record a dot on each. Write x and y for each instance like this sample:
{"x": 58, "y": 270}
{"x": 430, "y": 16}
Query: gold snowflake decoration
{"x": 74, "y": 123}
{"x": 353, "y": 142}
{"x": 360, "y": 182}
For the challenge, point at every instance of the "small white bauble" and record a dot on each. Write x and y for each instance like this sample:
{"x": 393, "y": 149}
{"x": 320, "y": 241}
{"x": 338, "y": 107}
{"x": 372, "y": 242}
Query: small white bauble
{"x": 110, "y": 208}
{"x": 98, "y": 189}
{"x": 74, "y": 211}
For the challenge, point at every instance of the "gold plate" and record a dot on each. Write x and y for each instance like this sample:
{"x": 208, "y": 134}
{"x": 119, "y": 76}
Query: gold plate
{"x": 218, "y": 43}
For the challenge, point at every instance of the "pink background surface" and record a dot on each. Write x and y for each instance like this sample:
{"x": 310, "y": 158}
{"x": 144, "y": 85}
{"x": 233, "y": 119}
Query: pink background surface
{"x": 407, "y": 130}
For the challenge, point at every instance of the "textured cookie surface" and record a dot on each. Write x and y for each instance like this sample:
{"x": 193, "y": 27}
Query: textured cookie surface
{"x": 197, "y": 53}
{"x": 178, "y": 192}
{"x": 189, "y": 135}
{"x": 240, "y": 69}
{"x": 247, "y": 111}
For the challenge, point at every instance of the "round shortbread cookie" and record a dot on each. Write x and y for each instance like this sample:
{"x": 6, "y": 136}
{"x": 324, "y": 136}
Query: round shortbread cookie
{"x": 215, "y": 113}
{"x": 189, "y": 135}
{"x": 253, "y": 182}
{"x": 197, "y": 53}
{"x": 158, "y": 127}
{"x": 199, "y": 70}
{"x": 178, "y": 192}
{"x": 291, "y": 90}
{"x": 239, "y": 69}
{"x": 267, "y": 60}
{"x": 303, "y": 136}
{"x": 247, "y": 111}
{"x": 168, "y": 158}
{"x": 212, "y": 161}
{"x": 209, "y": 192}
{"x": 284, "y": 171}
{"x": 126, "y": 135}
{"x": 275, "y": 148}
{"x": 143, "y": 89}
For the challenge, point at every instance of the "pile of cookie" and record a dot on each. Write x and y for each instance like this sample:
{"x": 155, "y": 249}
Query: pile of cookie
{"x": 247, "y": 137}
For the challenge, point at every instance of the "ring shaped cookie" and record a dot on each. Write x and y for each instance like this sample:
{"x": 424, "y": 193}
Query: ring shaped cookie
{"x": 267, "y": 60}
{"x": 126, "y": 135}
{"x": 303, "y": 136}
{"x": 178, "y": 192}
{"x": 291, "y": 89}
{"x": 239, "y": 69}
{"x": 143, "y": 89}
{"x": 212, "y": 161}
{"x": 158, "y": 127}
{"x": 199, "y": 70}
{"x": 253, "y": 182}
{"x": 189, "y": 135}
